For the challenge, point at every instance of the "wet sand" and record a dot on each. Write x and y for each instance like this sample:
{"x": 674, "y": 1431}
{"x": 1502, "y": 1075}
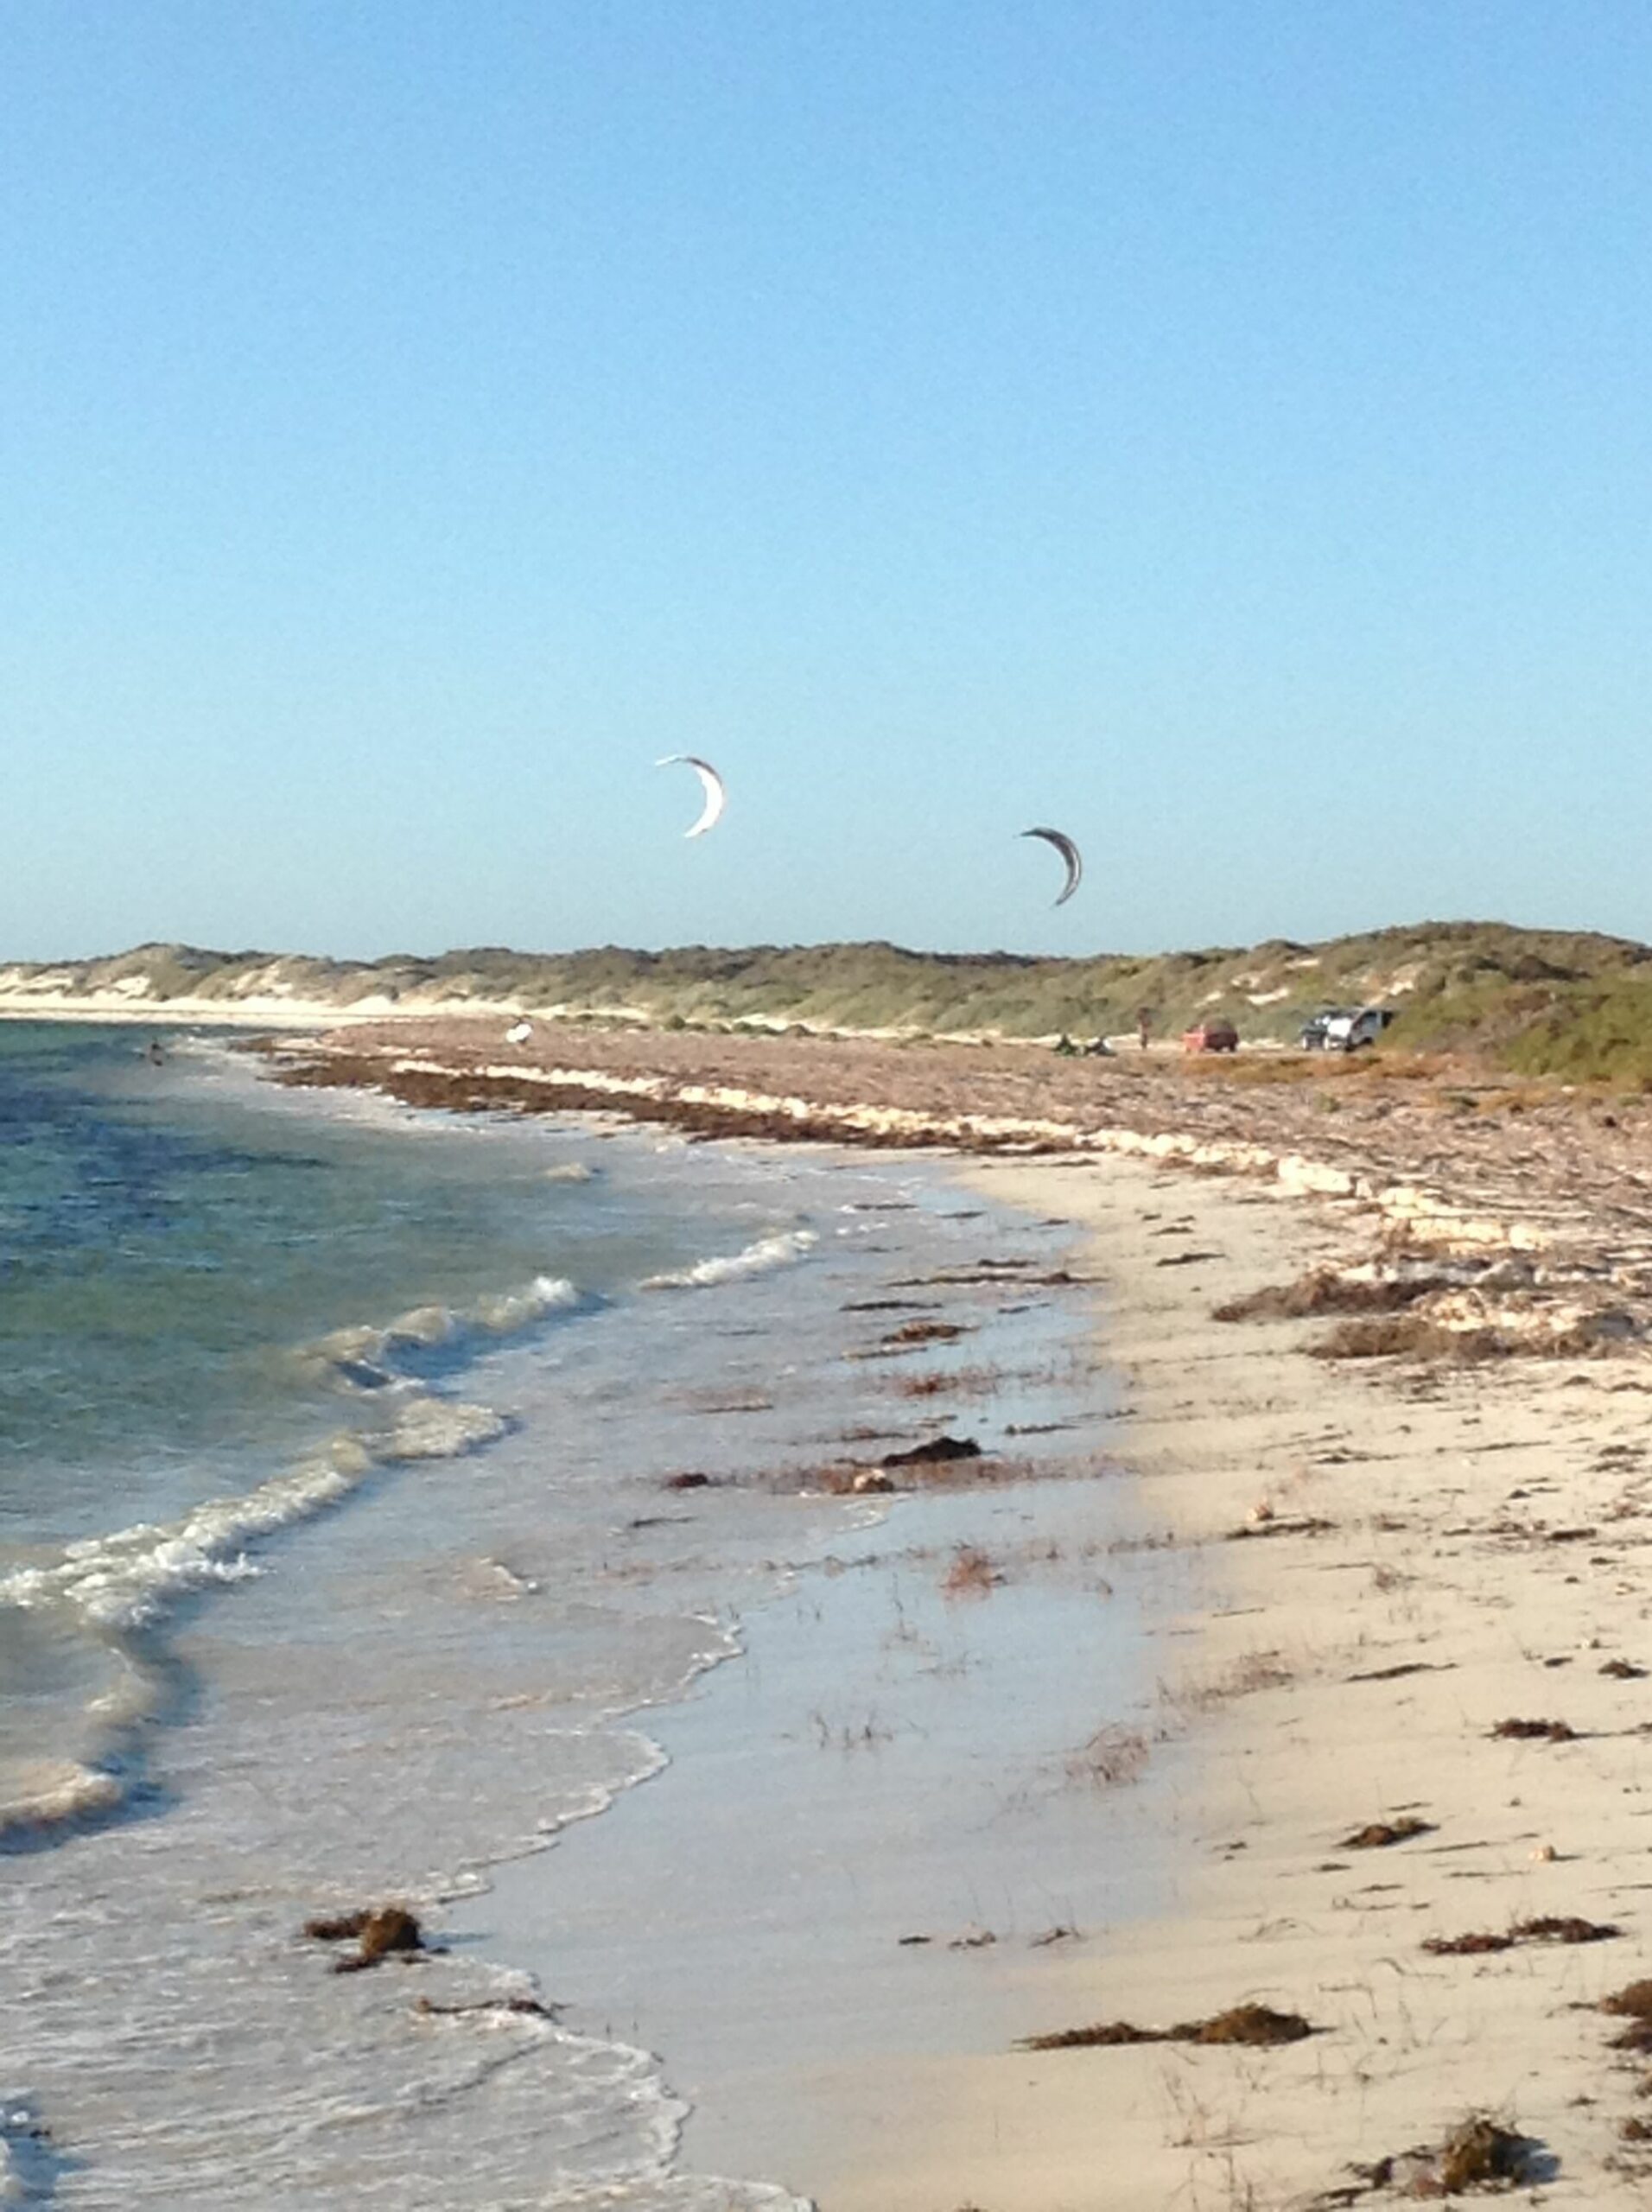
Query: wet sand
{"x": 1397, "y": 1559}
{"x": 1384, "y": 1560}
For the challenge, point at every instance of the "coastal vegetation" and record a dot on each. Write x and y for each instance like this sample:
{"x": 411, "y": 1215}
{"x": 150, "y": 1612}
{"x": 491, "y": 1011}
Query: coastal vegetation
{"x": 1571, "y": 1004}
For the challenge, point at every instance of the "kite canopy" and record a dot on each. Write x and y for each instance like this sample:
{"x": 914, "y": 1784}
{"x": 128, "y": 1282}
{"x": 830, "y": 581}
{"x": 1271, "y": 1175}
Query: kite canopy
{"x": 716, "y": 795}
{"x": 1069, "y": 853}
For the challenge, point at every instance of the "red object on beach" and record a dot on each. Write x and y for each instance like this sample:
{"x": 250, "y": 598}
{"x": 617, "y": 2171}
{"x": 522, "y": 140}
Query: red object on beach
{"x": 1210, "y": 1037}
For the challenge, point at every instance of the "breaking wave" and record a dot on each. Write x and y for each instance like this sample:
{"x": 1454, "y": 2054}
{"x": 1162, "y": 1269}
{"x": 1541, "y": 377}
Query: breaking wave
{"x": 780, "y": 1250}
{"x": 365, "y": 1355}
{"x": 125, "y": 1581}
{"x": 120, "y": 1586}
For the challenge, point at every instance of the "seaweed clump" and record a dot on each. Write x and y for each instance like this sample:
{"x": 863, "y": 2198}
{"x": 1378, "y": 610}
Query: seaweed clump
{"x": 1324, "y": 1292}
{"x": 1377, "y": 1835}
{"x": 937, "y": 1449}
{"x": 1546, "y": 1928}
{"x": 1255, "y": 2024}
{"x": 378, "y": 1930}
{"x": 1479, "y": 2153}
{"x": 1632, "y": 2003}
{"x": 1407, "y": 1335}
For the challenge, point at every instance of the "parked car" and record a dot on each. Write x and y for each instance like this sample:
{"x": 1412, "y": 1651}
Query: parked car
{"x": 1343, "y": 1029}
{"x": 1214, "y": 1036}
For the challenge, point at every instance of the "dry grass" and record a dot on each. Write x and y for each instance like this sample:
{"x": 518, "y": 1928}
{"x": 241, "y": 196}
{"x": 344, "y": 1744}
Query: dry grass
{"x": 1252, "y": 1672}
{"x": 971, "y": 1574}
{"x": 1114, "y": 1755}
{"x": 956, "y": 1382}
{"x": 1256, "y": 1670}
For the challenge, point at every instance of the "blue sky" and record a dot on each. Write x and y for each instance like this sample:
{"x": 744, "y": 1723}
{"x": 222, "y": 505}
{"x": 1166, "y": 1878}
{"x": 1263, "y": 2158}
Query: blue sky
{"x": 1219, "y": 428}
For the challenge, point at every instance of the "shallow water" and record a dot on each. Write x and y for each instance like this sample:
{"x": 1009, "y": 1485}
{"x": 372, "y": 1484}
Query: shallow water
{"x": 336, "y": 1564}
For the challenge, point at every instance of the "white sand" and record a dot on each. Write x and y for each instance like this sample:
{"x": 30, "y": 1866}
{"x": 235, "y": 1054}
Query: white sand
{"x": 1438, "y": 1494}
{"x": 769, "y": 1877}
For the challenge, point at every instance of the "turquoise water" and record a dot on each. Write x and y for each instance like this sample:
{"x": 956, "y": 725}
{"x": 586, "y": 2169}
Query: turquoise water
{"x": 166, "y": 1248}
{"x": 338, "y": 1560}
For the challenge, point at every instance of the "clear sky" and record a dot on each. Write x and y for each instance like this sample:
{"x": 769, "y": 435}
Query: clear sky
{"x": 1222, "y": 428}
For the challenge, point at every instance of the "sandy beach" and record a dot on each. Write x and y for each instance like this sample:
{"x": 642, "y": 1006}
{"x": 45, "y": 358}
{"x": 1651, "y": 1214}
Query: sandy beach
{"x": 1395, "y": 1562}
{"x": 1406, "y": 1597}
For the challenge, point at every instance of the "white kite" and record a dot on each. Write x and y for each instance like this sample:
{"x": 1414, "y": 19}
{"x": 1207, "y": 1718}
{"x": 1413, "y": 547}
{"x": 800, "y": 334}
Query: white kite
{"x": 1069, "y": 853}
{"x": 715, "y": 796}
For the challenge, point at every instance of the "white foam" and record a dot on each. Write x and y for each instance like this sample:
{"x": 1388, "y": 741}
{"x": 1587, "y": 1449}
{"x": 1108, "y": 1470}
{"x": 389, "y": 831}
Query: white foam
{"x": 365, "y": 1353}
{"x": 126, "y": 1579}
{"x": 515, "y": 1309}
{"x": 781, "y": 1251}
{"x": 46, "y": 1793}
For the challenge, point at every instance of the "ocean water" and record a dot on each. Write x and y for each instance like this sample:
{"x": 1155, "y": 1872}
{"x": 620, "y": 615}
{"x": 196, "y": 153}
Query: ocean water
{"x": 338, "y": 1562}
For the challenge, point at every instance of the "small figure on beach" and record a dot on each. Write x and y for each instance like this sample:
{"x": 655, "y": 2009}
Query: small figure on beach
{"x": 518, "y": 1032}
{"x": 1144, "y": 1026}
{"x": 155, "y": 1056}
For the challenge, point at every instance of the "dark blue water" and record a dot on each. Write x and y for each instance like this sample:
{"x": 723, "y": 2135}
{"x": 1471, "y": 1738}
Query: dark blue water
{"x": 167, "y": 1242}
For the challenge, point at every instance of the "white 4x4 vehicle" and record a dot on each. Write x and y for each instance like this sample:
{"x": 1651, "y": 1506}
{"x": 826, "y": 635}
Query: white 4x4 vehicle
{"x": 1347, "y": 1033}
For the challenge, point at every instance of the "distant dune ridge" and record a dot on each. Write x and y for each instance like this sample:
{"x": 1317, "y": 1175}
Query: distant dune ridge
{"x": 1571, "y": 1002}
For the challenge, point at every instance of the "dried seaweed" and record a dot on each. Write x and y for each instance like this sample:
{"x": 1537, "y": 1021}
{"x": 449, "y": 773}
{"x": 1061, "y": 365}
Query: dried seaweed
{"x": 1547, "y": 1928}
{"x": 1379, "y": 1833}
{"x": 1255, "y": 2024}
{"x": 936, "y": 1448}
{"x": 377, "y": 1929}
{"x": 1324, "y": 1292}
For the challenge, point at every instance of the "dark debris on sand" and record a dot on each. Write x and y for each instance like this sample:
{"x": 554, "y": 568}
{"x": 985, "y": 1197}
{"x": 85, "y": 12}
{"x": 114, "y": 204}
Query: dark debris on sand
{"x": 1480, "y": 2153}
{"x": 1632, "y": 2003}
{"x": 1547, "y": 1928}
{"x": 378, "y": 1930}
{"x": 1255, "y": 2025}
{"x": 532, "y": 2008}
{"x": 1378, "y": 1835}
{"x": 935, "y": 1449}
{"x": 1325, "y": 1292}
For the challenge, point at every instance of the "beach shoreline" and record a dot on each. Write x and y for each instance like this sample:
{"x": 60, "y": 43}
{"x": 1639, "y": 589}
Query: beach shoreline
{"x": 1393, "y": 1562}
{"x": 1412, "y": 1552}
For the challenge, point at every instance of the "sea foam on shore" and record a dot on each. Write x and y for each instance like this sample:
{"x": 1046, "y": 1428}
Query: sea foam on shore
{"x": 383, "y": 1661}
